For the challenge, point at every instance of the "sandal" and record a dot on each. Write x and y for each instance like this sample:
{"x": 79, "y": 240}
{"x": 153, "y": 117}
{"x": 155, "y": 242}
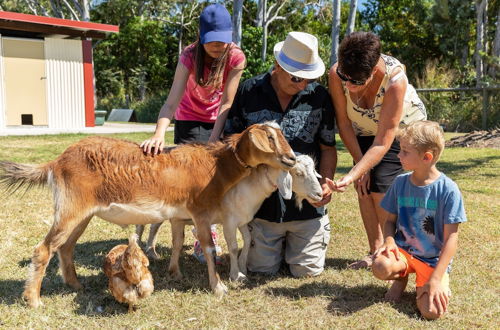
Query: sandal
{"x": 198, "y": 252}
{"x": 364, "y": 263}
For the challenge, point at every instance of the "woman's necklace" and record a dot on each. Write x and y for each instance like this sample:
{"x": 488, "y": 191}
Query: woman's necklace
{"x": 359, "y": 97}
{"x": 368, "y": 83}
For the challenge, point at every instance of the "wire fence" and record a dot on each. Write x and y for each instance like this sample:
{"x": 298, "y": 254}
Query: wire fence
{"x": 463, "y": 109}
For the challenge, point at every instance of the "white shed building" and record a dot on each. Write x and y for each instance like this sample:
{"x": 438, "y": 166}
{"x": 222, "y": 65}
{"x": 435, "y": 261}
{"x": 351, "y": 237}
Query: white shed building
{"x": 46, "y": 71}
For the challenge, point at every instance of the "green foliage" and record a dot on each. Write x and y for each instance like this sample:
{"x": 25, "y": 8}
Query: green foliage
{"x": 141, "y": 59}
{"x": 147, "y": 110}
{"x": 252, "y": 43}
{"x": 136, "y": 62}
{"x": 456, "y": 111}
{"x": 404, "y": 30}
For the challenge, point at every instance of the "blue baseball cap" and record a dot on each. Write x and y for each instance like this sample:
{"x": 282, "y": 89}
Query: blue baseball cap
{"x": 215, "y": 24}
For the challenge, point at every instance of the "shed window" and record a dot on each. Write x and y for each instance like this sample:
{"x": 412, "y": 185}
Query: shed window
{"x": 26, "y": 119}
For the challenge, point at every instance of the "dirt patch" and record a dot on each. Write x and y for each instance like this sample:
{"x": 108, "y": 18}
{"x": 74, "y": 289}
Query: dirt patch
{"x": 477, "y": 139}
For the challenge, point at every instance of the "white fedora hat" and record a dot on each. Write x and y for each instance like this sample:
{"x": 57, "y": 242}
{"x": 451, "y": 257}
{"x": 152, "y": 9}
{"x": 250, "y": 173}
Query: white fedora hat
{"x": 298, "y": 55}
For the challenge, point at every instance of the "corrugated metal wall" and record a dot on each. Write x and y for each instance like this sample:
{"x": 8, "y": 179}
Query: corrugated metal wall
{"x": 65, "y": 89}
{"x": 2, "y": 89}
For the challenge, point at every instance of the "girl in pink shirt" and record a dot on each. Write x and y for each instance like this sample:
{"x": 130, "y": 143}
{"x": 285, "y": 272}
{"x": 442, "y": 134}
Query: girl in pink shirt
{"x": 205, "y": 82}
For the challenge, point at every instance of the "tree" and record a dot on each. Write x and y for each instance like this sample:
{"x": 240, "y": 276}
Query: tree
{"x": 237, "y": 17}
{"x": 271, "y": 14}
{"x": 481, "y": 25}
{"x": 496, "y": 48}
{"x": 259, "y": 18}
{"x": 352, "y": 17}
{"x": 76, "y": 10}
{"x": 335, "y": 31}
{"x": 186, "y": 13}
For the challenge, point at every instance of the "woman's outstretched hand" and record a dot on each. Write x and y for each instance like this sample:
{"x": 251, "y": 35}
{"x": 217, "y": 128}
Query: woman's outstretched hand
{"x": 153, "y": 145}
{"x": 339, "y": 185}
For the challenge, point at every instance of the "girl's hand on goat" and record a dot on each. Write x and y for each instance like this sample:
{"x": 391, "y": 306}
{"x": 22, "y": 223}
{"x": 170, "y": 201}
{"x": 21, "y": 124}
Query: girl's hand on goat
{"x": 154, "y": 145}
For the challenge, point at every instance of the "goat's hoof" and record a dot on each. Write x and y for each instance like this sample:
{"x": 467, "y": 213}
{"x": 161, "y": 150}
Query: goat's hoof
{"x": 75, "y": 285}
{"x": 33, "y": 302}
{"x": 220, "y": 290}
{"x": 240, "y": 277}
{"x": 175, "y": 275}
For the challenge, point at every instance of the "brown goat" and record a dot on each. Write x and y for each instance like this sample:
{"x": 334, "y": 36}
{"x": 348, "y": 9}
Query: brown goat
{"x": 116, "y": 181}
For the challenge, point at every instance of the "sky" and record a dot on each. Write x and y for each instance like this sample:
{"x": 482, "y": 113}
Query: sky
{"x": 361, "y": 4}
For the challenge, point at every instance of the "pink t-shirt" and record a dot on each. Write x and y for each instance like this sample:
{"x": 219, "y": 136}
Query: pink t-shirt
{"x": 202, "y": 103}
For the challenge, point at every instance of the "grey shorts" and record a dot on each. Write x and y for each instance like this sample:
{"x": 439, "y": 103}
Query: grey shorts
{"x": 302, "y": 244}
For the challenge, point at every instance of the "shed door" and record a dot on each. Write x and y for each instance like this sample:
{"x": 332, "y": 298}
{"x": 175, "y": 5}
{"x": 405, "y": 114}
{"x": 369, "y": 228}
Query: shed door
{"x": 25, "y": 82}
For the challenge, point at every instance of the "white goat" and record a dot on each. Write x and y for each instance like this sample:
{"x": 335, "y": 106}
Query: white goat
{"x": 239, "y": 206}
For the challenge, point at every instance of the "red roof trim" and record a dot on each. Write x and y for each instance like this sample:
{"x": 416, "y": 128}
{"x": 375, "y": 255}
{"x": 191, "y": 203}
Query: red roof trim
{"x": 85, "y": 26}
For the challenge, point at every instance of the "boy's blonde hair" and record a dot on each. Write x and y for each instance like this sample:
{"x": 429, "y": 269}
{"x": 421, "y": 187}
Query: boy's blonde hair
{"x": 424, "y": 135}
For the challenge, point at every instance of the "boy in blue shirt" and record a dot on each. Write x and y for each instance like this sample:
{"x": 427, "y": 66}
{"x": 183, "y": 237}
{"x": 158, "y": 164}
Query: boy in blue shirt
{"x": 421, "y": 229}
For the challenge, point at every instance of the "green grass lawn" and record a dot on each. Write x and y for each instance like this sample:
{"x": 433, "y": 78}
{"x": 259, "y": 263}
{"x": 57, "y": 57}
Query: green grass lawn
{"x": 339, "y": 298}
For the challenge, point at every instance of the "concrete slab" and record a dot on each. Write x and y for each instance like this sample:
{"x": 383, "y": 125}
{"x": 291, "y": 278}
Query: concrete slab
{"x": 107, "y": 128}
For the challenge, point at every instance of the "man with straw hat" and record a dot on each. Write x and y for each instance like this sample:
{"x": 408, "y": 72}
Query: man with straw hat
{"x": 289, "y": 95}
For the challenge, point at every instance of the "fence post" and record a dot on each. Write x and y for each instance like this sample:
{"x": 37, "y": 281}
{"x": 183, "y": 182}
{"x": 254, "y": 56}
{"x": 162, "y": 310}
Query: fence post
{"x": 486, "y": 104}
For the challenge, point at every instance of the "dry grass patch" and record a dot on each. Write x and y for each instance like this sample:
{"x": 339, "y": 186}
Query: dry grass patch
{"x": 339, "y": 298}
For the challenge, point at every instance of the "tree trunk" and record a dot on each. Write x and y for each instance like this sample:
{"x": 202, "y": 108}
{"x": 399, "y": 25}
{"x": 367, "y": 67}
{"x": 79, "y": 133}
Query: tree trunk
{"x": 335, "y": 31}
{"x": 181, "y": 32}
{"x": 496, "y": 42}
{"x": 264, "y": 43}
{"x": 480, "y": 10}
{"x": 263, "y": 4}
{"x": 260, "y": 13}
{"x": 86, "y": 11}
{"x": 179, "y": 50}
{"x": 496, "y": 48}
{"x": 237, "y": 16}
{"x": 485, "y": 37}
{"x": 142, "y": 85}
{"x": 352, "y": 17}
{"x": 271, "y": 14}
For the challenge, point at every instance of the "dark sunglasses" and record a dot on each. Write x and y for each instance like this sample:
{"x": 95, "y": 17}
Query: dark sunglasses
{"x": 298, "y": 80}
{"x": 352, "y": 81}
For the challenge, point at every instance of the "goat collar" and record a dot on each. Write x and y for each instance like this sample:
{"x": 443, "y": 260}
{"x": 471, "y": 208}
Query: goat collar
{"x": 242, "y": 163}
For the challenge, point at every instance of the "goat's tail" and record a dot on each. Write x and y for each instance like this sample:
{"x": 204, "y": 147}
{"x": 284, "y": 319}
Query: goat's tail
{"x": 14, "y": 176}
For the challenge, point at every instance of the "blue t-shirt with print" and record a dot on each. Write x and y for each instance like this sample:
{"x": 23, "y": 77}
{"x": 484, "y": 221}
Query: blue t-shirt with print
{"x": 422, "y": 212}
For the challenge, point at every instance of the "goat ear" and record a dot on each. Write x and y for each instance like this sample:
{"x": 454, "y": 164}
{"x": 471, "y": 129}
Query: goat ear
{"x": 260, "y": 140}
{"x": 317, "y": 175}
{"x": 285, "y": 185}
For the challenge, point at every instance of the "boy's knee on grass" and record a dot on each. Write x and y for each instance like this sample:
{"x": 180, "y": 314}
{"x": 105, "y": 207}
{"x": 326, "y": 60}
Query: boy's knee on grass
{"x": 382, "y": 267}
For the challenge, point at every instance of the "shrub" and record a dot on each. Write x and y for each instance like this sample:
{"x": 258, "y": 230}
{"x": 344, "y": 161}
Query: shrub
{"x": 147, "y": 111}
{"x": 456, "y": 111}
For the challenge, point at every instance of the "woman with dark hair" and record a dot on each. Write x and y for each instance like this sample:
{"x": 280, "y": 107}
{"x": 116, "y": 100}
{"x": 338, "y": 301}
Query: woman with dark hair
{"x": 372, "y": 98}
{"x": 205, "y": 82}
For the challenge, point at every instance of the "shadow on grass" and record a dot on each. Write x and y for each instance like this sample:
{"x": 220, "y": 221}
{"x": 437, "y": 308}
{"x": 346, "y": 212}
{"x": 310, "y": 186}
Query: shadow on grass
{"x": 94, "y": 299}
{"x": 338, "y": 263}
{"x": 452, "y": 168}
{"x": 345, "y": 300}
